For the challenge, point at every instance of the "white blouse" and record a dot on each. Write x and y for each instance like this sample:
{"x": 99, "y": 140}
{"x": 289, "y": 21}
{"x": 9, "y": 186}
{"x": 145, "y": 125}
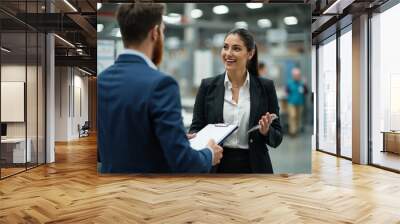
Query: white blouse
{"x": 237, "y": 113}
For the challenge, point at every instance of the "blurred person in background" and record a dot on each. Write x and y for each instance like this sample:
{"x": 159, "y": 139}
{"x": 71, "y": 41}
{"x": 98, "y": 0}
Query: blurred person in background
{"x": 296, "y": 90}
{"x": 262, "y": 69}
{"x": 239, "y": 96}
{"x": 140, "y": 127}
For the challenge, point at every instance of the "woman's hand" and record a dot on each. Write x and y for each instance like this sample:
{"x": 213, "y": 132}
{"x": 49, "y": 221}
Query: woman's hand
{"x": 190, "y": 135}
{"x": 265, "y": 122}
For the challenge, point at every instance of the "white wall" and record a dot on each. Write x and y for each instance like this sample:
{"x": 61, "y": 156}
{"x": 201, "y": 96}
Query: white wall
{"x": 61, "y": 103}
{"x": 80, "y": 100}
{"x": 13, "y": 73}
{"x": 33, "y": 126}
{"x": 71, "y": 93}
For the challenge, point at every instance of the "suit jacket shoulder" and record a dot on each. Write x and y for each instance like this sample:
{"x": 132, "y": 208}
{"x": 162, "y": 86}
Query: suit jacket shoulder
{"x": 267, "y": 83}
{"x": 212, "y": 80}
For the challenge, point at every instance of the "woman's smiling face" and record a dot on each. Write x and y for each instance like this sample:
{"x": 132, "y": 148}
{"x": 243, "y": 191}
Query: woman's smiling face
{"x": 234, "y": 54}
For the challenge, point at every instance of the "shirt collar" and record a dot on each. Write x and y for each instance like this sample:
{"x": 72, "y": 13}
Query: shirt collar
{"x": 140, "y": 54}
{"x": 228, "y": 83}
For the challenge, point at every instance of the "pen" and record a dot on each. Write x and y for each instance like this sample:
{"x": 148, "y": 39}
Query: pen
{"x": 258, "y": 126}
{"x": 253, "y": 128}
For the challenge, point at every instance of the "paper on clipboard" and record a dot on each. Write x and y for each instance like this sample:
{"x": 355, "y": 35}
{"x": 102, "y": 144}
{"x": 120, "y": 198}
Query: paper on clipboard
{"x": 218, "y": 132}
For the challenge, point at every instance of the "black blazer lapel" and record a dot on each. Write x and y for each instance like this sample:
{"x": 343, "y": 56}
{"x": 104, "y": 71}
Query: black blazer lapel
{"x": 256, "y": 98}
{"x": 219, "y": 99}
{"x": 218, "y": 95}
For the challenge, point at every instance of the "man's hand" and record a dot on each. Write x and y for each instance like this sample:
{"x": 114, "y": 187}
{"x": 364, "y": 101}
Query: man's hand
{"x": 217, "y": 150}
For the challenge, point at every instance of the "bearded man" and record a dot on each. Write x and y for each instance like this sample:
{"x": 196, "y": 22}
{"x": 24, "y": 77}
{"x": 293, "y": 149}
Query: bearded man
{"x": 140, "y": 128}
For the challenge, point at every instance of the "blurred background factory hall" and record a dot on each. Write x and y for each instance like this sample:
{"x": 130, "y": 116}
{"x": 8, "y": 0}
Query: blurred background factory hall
{"x": 194, "y": 37}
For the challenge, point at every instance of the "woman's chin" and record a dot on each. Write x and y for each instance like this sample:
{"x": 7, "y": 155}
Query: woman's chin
{"x": 230, "y": 67}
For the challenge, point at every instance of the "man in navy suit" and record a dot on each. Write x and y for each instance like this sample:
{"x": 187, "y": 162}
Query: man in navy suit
{"x": 140, "y": 127}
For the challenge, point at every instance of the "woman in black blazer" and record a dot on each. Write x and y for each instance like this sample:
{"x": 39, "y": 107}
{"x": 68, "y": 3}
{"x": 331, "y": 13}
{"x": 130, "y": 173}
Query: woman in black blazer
{"x": 239, "y": 96}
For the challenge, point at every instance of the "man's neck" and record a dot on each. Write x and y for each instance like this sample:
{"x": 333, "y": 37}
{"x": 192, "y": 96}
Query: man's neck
{"x": 143, "y": 48}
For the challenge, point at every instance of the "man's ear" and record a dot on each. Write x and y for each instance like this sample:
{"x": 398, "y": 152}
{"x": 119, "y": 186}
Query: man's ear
{"x": 154, "y": 32}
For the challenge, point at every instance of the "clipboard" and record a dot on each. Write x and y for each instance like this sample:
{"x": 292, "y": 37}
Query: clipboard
{"x": 218, "y": 132}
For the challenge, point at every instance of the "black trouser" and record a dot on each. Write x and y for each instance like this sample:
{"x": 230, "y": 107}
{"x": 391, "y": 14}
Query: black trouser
{"x": 235, "y": 161}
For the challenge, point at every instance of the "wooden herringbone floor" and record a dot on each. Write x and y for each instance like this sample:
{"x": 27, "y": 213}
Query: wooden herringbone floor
{"x": 70, "y": 191}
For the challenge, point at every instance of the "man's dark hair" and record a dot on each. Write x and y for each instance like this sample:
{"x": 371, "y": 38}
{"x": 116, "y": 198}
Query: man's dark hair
{"x": 137, "y": 19}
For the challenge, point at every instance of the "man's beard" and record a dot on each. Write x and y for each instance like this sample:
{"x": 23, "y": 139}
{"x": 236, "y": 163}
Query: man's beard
{"x": 158, "y": 51}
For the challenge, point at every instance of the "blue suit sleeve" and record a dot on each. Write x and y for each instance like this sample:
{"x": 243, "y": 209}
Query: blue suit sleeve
{"x": 165, "y": 109}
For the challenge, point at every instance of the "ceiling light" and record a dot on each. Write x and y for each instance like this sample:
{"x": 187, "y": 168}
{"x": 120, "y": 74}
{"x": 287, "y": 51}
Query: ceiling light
{"x": 173, "y": 42}
{"x": 264, "y": 23}
{"x": 254, "y": 5}
{"x": 65, "y": 41}
{"x": 241, "y": 24}
{"x": 5, "y": 49}
{"x": 290, "y": 20}
{"x": 70, "y": 5}
{"x": 99, "y": 6}
{"x": 196, "y": 13}
{"x": 220, "y": 9}
{"x": 172, "y": 18}
{"x": 100, "y": 27}
{"x": 84, "y": 71}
